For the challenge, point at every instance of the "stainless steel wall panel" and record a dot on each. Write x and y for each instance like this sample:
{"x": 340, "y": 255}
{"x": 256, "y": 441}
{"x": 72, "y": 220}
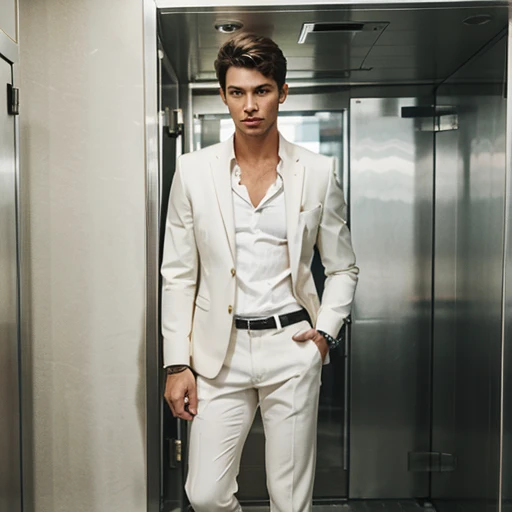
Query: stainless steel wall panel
{"x": 470, "y": 185}
{"x": 10, "y": 451}
{"x": 391, "y": 197}
{"x": 506, "y": 428}
{"x": 416, "y": 44}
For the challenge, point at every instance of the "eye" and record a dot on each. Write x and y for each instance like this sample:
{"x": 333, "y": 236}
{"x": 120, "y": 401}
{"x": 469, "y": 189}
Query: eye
{"x": 262, "y": 92}
{"x": 236, "y": 94}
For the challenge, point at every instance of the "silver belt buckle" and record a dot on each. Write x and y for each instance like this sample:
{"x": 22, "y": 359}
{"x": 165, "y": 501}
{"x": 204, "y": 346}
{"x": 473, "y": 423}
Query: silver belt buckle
{"x": 248, "y": 324}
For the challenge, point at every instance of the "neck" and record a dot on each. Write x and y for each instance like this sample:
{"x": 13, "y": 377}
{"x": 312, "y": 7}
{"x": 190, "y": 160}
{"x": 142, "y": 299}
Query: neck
{"x": 257, "y": 149}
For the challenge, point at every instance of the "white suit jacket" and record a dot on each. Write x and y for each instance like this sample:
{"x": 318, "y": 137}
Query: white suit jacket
{"x": 199, "y": 260}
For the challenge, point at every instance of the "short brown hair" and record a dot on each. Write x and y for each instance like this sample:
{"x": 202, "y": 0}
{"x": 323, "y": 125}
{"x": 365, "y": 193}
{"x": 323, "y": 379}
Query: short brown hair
{"x": 253, "y": 52}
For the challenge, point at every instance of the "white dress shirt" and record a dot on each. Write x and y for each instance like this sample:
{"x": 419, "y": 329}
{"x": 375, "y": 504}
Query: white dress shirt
{"x": 264, "y": 282}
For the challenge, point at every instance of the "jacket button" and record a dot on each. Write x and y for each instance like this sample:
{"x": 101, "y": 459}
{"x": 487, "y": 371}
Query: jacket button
{"x": 233, "y": 272}
{"x": 230, "y": 309}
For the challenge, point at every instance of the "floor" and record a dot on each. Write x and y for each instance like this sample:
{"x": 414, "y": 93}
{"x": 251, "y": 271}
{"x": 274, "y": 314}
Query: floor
{"x": 364, "y": 506}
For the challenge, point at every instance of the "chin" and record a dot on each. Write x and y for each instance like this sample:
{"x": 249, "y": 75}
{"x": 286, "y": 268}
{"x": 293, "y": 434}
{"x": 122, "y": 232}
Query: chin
{"x": 255, "y": 132}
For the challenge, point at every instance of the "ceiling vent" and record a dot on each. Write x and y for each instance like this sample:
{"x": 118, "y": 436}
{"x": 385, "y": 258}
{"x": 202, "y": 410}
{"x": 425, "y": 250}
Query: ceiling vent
{"x": 340, "y": 27}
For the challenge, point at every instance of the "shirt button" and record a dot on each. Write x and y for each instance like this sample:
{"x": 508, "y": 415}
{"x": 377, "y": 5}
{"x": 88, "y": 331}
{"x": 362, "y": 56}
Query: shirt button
{"x": 233, "y": 272}
{"x": 230, "y": 309}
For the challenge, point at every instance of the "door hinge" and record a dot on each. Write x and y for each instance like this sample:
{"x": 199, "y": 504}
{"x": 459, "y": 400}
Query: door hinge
{"x": 13, "y": 100}
{"x": 173, "y": 122}
{"x": 175, "y": 452}
{"x": 431, "y": 462}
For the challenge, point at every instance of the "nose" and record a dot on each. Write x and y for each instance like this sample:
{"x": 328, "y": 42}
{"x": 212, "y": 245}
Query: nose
{"x": 251, "y": 105}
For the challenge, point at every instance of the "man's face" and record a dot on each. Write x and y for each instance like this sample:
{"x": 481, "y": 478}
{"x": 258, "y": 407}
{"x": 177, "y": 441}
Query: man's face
{"x": 253, "y": 100}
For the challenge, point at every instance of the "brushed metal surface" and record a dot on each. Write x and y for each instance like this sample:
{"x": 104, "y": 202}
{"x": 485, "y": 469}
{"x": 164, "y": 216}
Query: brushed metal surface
{"x": 506, "y": 405}
{"x": 10, "y": 465}
{"x": 391, "y": 212}
{"x": 173, "y": 474}
{"x": 416, "y": 45}
{"x": 470, "y": 195}
{"x": 154, "y": 439}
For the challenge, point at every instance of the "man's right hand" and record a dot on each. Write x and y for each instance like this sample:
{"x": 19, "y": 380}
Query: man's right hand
{"x": 177, "y": 387}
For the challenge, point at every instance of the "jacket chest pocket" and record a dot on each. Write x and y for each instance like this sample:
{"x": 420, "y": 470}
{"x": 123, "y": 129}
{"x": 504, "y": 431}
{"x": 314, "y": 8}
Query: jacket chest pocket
{"x": 309, "y": 221}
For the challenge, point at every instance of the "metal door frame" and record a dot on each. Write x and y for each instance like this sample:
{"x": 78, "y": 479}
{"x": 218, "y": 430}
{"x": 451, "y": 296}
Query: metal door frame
{"x": 507, "y": 255}
{"x": 9, "y": 51}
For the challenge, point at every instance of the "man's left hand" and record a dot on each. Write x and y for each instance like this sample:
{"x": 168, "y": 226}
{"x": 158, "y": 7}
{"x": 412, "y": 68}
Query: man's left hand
{"x": 317, "y": 338}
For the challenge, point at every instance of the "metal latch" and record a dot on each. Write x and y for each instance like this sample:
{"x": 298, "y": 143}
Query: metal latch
{"x": 173, "y": 122}
{"x": 13, "y": 100}
{"x": 175, "y": 452}
{"x": 433, "y": 118}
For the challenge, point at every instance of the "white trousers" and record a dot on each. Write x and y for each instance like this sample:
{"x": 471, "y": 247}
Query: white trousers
{"x": 267, "y": 369}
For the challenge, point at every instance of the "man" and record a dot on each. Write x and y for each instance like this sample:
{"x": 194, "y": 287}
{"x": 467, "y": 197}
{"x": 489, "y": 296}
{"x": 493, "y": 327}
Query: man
{"x": 239, "y": 301}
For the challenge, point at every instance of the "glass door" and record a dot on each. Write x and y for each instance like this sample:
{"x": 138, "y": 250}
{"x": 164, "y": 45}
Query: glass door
{"x": 321, "y": 132}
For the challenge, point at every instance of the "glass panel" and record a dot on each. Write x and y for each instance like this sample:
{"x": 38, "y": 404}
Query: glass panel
{"x": 321, "y": 132}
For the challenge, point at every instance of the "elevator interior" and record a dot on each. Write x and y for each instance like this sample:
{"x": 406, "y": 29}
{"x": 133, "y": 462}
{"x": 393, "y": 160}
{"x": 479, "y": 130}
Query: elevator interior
{"x": 411, "y": 98}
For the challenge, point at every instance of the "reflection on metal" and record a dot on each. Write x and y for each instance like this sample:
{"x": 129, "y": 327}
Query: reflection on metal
{"x": 10, "y": 451}
{"x": 154, "y": 446}
{"x": 433, "y": 118}
{"x": 470, "y": 195}
{"x": 439, "y": 123}
{"x": 446, "y": 123}
{"x": 432, "y": 462}
{"x": 391, "y": 221}
{"x": 505, "y": 463}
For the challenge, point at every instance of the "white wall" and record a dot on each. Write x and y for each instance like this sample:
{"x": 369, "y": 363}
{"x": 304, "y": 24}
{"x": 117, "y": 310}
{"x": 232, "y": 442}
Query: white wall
{"x": 83, "y": 249}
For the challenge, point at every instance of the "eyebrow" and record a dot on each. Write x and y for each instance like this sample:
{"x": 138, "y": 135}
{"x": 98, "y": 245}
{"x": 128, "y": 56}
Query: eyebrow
{"x": 238, "y": 88}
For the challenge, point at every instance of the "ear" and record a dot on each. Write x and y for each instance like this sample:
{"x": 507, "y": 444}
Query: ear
{"x": 283, "y": 93}
{"x": 223, "y": 96}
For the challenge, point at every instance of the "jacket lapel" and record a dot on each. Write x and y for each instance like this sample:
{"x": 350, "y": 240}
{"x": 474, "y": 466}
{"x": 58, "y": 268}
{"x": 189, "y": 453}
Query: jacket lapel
{"x": 220, "y": 168}
{"x": 293, "y": 178}
{"x": 292, "y": 172}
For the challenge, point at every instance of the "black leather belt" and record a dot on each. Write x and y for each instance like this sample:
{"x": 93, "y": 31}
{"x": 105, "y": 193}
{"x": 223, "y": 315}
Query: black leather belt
{"x": 270, "y": 322}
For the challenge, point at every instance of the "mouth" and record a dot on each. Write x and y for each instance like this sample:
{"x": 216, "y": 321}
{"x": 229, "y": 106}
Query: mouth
{"x": 252, "y": 121}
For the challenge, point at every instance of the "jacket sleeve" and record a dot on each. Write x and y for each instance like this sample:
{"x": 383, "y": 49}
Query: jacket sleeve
{"x": 179, "y": 273}
{"x": 335, "y": 247}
